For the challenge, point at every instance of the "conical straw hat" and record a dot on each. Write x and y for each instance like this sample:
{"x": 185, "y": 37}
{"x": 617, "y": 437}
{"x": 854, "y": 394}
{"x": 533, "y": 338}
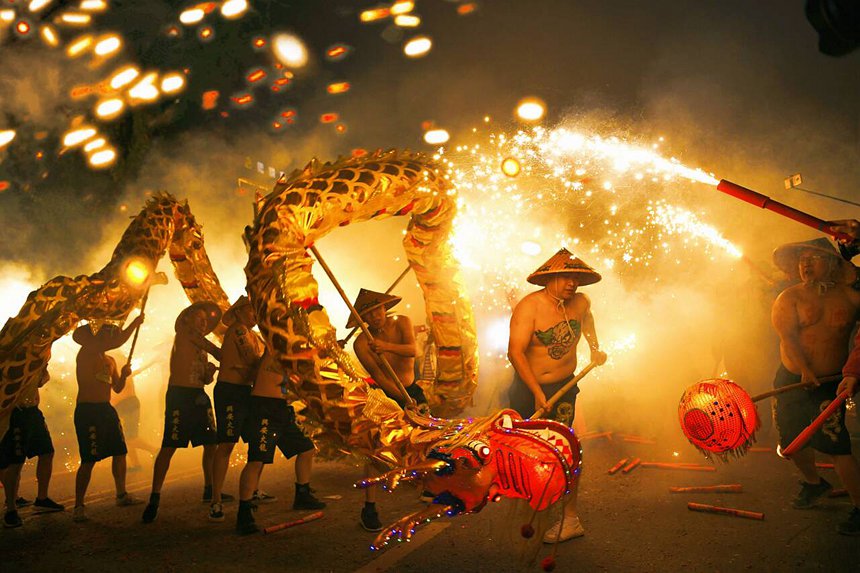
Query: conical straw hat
{"x": 367, "y": 300}
{"x": 563, "y": 262}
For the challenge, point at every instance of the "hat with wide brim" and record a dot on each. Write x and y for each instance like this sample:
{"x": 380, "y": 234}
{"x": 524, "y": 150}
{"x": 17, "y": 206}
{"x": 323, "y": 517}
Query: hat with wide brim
{"x": 564, "y": 263}
{"x": 213, "y": 314}
{"x": 230, "y": 315}
{"x": 367, "y": 300}
{"x": 786, "y": 257}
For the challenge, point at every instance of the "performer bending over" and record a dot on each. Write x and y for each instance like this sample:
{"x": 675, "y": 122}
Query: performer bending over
{"x": 272, "y": 424}
{"x": 394, "y": 339}
{"x": 188, "y": 411}
{"x": 97, "y": 424}
{"x": 545, "y": 329}
{"x": 814, "y": 320}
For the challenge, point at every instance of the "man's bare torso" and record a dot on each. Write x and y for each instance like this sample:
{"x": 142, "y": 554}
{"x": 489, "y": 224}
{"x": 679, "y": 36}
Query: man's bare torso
{"x": 824, "y": 325}
{"x": 403, "y": 366}
{"x": 187, "y": 363}
{"x": 551, "y": 352}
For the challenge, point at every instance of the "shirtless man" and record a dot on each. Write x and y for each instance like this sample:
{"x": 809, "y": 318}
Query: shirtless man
{"x": 240, "y": 358}
{"x": 97, "y": 424}
{"x": 272, "y": 424}
{"x": 814, "y": 320}
{"x": 545, "y": 329}
{"x": 188, "y": 411}
{"x": 394, "y": 339}
{"x": 28, "y": 436}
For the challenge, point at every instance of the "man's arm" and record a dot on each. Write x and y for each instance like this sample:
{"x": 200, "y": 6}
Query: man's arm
{"x": 118, "y": 378}
{"x": 406, "y": 336}
{"x": 366, "y": 356}
{"x": 851, "y": 370}
{"x": 205, "y": 344}
{"x": 785, "y": 321}
{"x": 522, "y": 325}
{"x": 590, "y": 334}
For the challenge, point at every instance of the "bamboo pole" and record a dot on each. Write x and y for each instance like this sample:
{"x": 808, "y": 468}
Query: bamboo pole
{"x": 566, "y": 388}
{"x": 389, "y": 370}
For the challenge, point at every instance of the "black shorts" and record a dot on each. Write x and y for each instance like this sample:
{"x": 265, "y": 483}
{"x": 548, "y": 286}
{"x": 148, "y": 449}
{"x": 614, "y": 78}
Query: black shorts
{"x": 231, "y": 411}
{"x": 523, "y": 401}
{"x": 129, "y": 413}
{"x": 796, "y": 409}
{"x": 271, "y": 424}
{"x": 417, "y": 393}
{"x": 99, "y": 432}
{"x": 27, "y": 437}
{"x": 188, "y": 417}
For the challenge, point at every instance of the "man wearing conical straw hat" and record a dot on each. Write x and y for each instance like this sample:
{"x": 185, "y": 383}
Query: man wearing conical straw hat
{"x": 814, "y": 320}
{"x": 394, "y": 341}
{"x": 545, "y": 329}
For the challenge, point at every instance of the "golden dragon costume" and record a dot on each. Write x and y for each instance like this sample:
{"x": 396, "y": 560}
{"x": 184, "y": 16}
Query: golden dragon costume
{"x": 464, "y": 462}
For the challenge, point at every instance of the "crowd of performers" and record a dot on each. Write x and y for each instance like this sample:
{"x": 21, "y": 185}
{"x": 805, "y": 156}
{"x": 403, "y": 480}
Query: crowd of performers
{"x": 814, "y": 319}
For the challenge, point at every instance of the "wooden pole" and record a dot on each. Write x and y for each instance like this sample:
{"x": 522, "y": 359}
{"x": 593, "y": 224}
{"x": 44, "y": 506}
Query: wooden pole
{"x": 388, "y": 291}
{"x": 387, "y": 367}
{"x": 566, "y": 388}
{"x": 816, "y": 424}
{"x": 797, "y": 386}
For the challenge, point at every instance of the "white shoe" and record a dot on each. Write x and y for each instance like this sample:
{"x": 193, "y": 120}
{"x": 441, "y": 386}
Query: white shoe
{"x": 572, "y": 528}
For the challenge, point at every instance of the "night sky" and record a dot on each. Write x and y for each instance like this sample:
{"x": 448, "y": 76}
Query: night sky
{"x": 735, "y": 87}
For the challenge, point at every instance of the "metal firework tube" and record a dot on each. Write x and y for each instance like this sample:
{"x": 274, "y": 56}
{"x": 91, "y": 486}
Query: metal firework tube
{"x": 824, "y": 466}
{"x": 288, "y": 524}
{"x": 631, "y": 466}
{"x": 617, "y": 466}
{"x": 816, "y": 424}
{"x": 725, "y": 511}
{"x": 672, "y": 466}
{"x": 728, "y": 488}
{"x": 766, "y": 202}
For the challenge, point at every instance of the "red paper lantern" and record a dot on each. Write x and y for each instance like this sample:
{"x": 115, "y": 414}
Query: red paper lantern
{"x": 718, "y": 416}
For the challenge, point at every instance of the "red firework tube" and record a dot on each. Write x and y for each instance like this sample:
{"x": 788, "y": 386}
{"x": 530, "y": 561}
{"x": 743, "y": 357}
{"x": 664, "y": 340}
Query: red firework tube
{"x": 617, "y": 466}
{"x": 766, "y": 202}
{"x": 632, "y": 440}
{"x": 823, "y": 466}
{"x": 816, "y": 424}
{"x": 631, "y": 466}
{"x": 725, "y": 511}
{"x": 837, "y": 493}
{"x": 727, "y": 488}
{"x": 671, "y": 466}
{"x": 288, "y": 524}
{"x": 584, "y": 437}
{"x": 760, "y": 450}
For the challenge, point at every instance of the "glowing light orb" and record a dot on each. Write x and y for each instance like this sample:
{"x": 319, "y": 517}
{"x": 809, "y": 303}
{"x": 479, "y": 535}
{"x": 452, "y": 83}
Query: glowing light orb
{"x": 144, "y": 90}
{"x": 107, "y": 46}
{"x": 192, "y": 16}
{"x": 407, "y": 21}
{"x": 374, "y": 14}
{"x": 136, "y": 272}
{"x": 7, "y": 16}
{"x": 78, "y": 136}
{"x": 531, "y": 109}
{"x": 436, "y": 136}
{"x": 172, "y": 83}
{"x": 94, "y": 144}
{"x": 76, "y": 19}
{"x": 93, "y": 5}
{"x": 123, "y": 77}
{"x": 79, "y": 46}
{"x": 510, "y": 167}
{"x": 102, "y": 158}
{"x": 232, "y": 9}
{"x": 36, "y": 5}
{"x": 49, "y": 35}
{"x": 109, "y": 108}
{"x": 290, "y": 50}
{"x": 6, "y": 137}
{"x": 402, "y": 7}
{"x": 23, "y": 28}
{"x": 417, "y": 47}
